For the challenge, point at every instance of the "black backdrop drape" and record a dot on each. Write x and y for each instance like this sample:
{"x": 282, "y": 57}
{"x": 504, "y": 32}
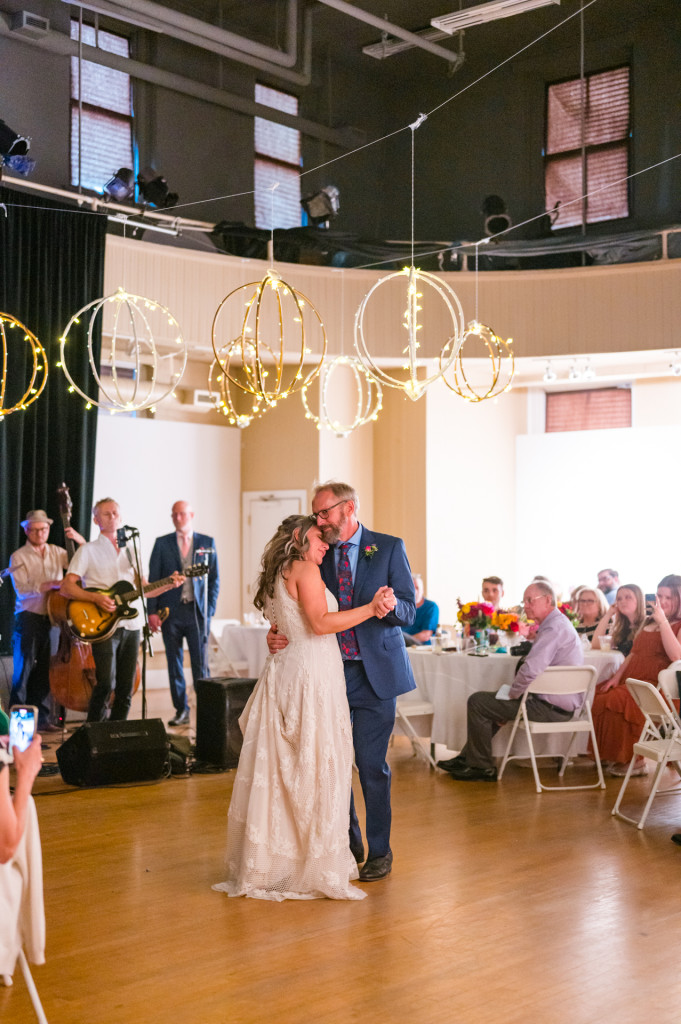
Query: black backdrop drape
{"x": 51, "y": 265}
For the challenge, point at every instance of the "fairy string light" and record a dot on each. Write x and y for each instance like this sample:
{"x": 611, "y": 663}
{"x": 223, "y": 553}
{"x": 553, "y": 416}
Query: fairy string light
{"x": 14, "y": 333}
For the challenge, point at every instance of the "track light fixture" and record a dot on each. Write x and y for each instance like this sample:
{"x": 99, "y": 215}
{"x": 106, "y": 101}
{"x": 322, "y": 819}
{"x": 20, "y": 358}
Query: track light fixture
{"x": 322, "y": 206}
{"x": 121, "y": 186}
{"x": 14, "y": 151}
{"x": 549, "y": 374}
{"x": 154, "y": 190}
{"x": 496, "y": 218}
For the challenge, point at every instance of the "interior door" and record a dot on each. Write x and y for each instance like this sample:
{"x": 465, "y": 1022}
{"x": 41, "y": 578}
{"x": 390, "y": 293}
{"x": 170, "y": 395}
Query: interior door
{"x": 262, "y": 511}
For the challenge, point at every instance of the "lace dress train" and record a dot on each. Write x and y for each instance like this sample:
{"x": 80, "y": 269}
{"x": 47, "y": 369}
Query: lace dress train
{"x": 288, "y": 818}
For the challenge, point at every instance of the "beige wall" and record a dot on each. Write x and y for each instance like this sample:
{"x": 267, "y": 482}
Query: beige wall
{"x": 400, "y": 474}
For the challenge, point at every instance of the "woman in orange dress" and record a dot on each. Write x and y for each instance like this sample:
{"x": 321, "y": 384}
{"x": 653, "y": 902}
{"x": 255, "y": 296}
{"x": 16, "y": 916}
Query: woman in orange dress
{"x": 617, "y": 719}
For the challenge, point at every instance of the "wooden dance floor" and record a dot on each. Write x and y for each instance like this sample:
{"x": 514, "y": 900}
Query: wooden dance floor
{"x": 503, "y": 907}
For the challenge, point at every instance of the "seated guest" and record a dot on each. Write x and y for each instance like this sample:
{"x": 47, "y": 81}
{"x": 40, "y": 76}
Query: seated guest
{"x": 556, "y": 643}
{"x": 617, "y": 719}
{"x": 608, "y": 582}
{"x": 493, "y": 590}
{"x": 427, "y": 616}
{"x": 623, "y": 620}
{"x": 590, "y": 606}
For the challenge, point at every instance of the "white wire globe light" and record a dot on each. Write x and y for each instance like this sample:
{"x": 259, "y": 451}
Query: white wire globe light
{"x": 500, "y": 363}
{"x": 237, "y": 403}
{"x": 413, "y": 385}
{"x": 368, "y": 396}
{"x": 278, "y": 327}
{"x": 38, "y": 371}
{"x": 128, "y": 322}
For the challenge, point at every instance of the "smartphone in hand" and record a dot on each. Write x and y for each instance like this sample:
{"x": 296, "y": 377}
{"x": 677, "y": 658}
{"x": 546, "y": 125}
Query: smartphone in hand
{"x": 23, "y": 721}
{"x": 650, "y": 603}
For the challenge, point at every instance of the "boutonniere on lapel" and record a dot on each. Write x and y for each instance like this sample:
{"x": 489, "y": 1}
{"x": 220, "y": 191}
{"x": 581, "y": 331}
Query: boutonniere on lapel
{"x": 370, "y": 550}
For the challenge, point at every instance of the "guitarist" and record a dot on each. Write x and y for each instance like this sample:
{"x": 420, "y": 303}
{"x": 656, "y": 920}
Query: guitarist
{"x": 176, "y": 551}
{"x": 101, "y": 563}
{"x": 37, "y": 568}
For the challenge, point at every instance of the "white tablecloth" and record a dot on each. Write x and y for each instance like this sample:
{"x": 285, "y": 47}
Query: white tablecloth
{"x": 245, "y": 644}
{"x": 447, "y": 680}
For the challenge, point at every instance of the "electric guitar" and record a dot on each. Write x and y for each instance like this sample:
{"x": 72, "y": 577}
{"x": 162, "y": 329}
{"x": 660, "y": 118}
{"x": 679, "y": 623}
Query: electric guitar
{"x": 90, "y": 623}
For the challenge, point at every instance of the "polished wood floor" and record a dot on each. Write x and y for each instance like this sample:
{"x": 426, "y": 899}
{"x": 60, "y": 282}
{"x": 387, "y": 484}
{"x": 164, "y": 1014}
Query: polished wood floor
{"x": 503, "y": 907}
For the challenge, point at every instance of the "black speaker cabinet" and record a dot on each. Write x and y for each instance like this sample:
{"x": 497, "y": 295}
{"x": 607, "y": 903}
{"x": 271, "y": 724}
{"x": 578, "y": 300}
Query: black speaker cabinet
{"x": 219, "y": 703}
{"x": 100, "y": 753}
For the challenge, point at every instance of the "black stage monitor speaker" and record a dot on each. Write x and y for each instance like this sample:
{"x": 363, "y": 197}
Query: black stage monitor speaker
{"x": 219, "y": 703}
{"x": 100, "y": 753}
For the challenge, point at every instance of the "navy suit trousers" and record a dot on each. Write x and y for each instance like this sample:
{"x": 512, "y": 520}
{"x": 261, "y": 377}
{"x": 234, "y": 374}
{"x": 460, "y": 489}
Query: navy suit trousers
{"x": 373, "y": 721}
{"x": 184, "y": 622}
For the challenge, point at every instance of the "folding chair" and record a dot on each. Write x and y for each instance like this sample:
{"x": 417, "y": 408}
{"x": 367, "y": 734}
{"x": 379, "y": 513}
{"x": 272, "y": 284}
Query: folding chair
{"x": 669, "y": 680}
{"x": 660, "y": 741}
{"x": 558, "y": 680}
{"x": 404, "y": 710}
{"x": 30, "y": 985}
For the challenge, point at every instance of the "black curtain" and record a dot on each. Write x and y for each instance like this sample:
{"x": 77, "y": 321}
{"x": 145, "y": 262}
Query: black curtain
{"x": 51, "y": 265}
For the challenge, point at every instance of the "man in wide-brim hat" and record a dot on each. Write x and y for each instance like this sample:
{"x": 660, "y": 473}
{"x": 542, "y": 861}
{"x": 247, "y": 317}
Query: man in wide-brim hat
{"x": 36, "y": 569}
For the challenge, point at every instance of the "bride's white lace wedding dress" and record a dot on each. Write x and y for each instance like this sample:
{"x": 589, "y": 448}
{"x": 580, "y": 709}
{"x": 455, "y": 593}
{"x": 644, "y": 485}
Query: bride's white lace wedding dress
{"x": 288, "y": 819}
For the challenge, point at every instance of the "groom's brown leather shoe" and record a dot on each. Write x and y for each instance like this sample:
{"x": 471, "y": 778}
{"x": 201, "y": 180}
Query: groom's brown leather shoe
{"x": 377, "y": 867}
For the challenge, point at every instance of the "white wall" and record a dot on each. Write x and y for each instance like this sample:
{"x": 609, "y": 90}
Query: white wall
{"x": 146, "y": 465}
{"x": 470, "y": 507}
{"x": 599, "y": 499}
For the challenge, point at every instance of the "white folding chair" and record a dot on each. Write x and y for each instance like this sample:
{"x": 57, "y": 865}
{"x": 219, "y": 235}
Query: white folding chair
{"x": 558, "y": 680}
{"x": 30, "y": 985}
{"x": 660, "y": 741}
{"x": 669, "y": 680}
{"x": 407, "y": 708}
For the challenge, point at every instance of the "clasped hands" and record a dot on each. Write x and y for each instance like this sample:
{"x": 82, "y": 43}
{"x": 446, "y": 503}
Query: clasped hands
{"x": 383, "y": 602}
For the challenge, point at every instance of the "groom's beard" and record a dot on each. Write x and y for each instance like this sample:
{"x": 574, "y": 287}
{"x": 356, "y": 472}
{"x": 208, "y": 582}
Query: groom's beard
{"x": 332, "y": 534}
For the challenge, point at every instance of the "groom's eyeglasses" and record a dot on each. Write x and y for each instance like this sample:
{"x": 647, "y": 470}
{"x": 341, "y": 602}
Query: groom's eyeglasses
{"x": 324, "y": 512}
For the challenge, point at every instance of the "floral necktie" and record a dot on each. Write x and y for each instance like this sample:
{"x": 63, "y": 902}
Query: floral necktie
{"x": 348, "y": 638}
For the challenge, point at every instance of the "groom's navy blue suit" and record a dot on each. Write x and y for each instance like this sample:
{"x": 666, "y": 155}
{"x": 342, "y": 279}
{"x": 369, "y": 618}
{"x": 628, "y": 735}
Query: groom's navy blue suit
{"x": 184, "y": 620}
{"x": 374, "y": 681}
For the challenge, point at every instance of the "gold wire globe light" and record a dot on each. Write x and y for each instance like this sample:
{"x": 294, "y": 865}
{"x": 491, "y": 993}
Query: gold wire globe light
{"x": 127, "y": 320}
{"x": 241, "y": 407}
{"x": 270, "y": 316}
{"x": 500, "y": 363}
{"x": 38, "y": 372}
{"x": 413, "y": 385}
{"x": 368, "y": 396}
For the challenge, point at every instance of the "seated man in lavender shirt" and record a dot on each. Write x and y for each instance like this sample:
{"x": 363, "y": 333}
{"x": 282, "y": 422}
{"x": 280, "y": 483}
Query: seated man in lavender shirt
{"x": 556, "y": 643}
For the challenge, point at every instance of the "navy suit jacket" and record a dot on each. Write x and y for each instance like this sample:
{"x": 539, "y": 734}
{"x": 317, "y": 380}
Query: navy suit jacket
{"x": 165, "y": 559}
{"x": 381, "y": 643}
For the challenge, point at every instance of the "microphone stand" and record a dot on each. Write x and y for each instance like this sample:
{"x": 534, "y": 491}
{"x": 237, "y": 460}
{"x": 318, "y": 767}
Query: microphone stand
{"x": 205, "y": 555}
{"x": 146, "y": 631}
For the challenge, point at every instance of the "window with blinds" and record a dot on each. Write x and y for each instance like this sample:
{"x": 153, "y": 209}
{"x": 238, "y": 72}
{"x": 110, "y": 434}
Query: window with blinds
{"x": 101, "y": 126}
{"x": 277, "y": 162}
{"x": 595, "y": 409}
{"x": 597, "y": 110}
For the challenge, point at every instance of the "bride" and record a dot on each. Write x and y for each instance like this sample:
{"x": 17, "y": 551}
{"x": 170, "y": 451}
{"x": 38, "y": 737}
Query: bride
{"x": 288, "y": 819}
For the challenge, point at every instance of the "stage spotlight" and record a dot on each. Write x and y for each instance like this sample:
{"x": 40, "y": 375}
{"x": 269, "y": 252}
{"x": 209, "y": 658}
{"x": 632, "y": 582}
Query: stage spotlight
{"x": 121, "y": 186}
{"x": 154, "y": 190}
{"x": 14, "y": 150}
{"x": 321, "y": 206}
{"x": 496, "y": 218}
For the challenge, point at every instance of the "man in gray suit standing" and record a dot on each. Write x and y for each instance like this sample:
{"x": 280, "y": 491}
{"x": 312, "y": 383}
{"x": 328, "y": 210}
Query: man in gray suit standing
{"x": 375, "y": 660}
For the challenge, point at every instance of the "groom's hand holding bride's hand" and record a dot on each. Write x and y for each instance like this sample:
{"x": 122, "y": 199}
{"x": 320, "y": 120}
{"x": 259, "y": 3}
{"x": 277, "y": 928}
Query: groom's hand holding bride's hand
{"x": 384, "y": 601}
{"x": 276, "y": 641}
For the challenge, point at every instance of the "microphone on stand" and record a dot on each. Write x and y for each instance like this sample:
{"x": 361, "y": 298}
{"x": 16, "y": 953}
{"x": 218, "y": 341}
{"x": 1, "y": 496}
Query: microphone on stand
{"x": 124, "y": 533}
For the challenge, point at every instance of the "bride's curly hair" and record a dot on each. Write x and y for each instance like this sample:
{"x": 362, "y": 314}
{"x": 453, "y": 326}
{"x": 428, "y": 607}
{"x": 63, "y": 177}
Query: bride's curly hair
{"x": 288, "y": 545}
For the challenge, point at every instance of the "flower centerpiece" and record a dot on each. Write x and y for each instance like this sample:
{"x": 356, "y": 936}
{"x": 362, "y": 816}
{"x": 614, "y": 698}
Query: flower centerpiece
{"x": 566, "y": 608}
{"x": 476, "y": 615}
{"x": 506, "y": 622}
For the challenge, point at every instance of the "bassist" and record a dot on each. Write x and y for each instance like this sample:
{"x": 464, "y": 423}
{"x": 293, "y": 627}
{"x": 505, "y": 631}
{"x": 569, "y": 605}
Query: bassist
{"x": 101, "y": 564}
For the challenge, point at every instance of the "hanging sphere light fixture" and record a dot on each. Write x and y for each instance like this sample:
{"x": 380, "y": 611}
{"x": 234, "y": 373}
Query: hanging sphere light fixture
{"x": 134, "y": 358}
{"x": 280, "y": 332}
{"x": 13, "y": 333}
{"x": 367, "y": 392}
{"x": 414, "y": 377}
{"x": 500, "y": 364}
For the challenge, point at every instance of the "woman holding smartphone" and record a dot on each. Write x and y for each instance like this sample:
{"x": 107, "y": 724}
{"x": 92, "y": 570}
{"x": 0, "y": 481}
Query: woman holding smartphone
{"x": 617, "y": 719}
{"x": 623, "y": 619}
{"x": 13, "y": 810}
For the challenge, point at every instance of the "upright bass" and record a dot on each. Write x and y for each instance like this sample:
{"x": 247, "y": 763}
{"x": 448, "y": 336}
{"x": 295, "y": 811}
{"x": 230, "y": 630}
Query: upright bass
{"x": 72, "y": 668}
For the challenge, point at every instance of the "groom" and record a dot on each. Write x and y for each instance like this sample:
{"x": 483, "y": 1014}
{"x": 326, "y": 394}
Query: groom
{"x": 375, "y": 660}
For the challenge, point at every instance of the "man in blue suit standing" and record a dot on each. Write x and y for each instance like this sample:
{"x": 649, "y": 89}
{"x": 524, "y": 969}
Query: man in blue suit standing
{"x": 375, "y": 659}
{"x": 186, "y": 605}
